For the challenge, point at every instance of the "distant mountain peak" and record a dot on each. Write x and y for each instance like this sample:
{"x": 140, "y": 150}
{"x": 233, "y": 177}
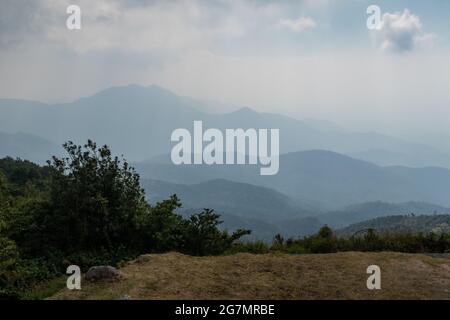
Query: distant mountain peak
{"x": 135, "y": 88}
{"x": 138, "y": 97}
{"x": 245, "y": 110}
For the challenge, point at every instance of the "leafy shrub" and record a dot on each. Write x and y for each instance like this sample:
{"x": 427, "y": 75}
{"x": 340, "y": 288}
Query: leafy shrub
{"x": 202, "y": 236}
{"x": 325, "y": 242}
{"x": 256, "y": 247}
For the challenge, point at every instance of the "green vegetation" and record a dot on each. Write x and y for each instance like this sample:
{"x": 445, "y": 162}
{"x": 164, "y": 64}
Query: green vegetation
{"x": 88, "y": 209}
{"x": 325, "y": 241}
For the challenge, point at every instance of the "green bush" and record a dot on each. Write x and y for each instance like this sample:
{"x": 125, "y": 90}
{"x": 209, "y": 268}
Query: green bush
{"x": 256, "y": 247}
{"x": 325, "y": 242}
{"x": 201, "y": 235}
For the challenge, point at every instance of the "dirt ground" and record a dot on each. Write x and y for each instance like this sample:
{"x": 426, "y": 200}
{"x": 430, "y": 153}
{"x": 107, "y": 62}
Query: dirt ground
{"x": 274, "y": 276}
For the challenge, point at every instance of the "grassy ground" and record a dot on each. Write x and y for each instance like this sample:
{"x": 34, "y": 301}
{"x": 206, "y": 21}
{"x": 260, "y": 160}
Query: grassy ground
{"x": 45, "y": 289}
{"x": 274, "y": 276}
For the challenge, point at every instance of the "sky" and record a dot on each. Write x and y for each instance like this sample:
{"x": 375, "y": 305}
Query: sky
{"x": 304, "y": 58}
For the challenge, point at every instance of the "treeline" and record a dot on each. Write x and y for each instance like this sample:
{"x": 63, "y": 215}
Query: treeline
{"x": 325, "y": 241}
{"x": 88, "y": 209}
{"x": 411, "y": 223}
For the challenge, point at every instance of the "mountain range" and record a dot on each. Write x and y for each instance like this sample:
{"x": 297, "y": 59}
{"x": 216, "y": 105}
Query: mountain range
{"x": 319, "y": 179}
{"x": 27, "y": 146}
{"x": 328, "y": 174}
{"x": 267, "y": 212}
{"x": 369, "y": 210}
{"x": 137, "y": 121}
{"x": 236, "y": 198}
{"x": 402, "y": 224}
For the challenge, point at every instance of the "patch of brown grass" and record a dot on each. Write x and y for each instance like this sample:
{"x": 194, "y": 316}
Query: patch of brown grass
{"x": 275, "y": 276}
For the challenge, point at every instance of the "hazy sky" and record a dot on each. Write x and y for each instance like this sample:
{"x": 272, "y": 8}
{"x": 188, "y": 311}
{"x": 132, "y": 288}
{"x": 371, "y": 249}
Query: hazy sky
{"x": 305, "y": 58}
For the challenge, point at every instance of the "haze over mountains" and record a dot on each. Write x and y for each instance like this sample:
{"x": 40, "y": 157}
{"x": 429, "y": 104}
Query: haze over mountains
{"x": 267, "y": 212}
{"x": 231, "y": 197}
{"x": 358, "y": 213}
{"x": 27, "y": 146}
{"x": 402, "y": 224}
{"x": 327, "y": 174}
{"x": 137, "y": 121}
{"x": 320, "y": 179}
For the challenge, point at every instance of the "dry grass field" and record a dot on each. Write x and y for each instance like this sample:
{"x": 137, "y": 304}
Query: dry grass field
{"x": 274, "y": 276}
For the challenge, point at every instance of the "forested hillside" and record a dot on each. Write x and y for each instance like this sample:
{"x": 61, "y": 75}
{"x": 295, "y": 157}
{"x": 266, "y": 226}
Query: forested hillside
{"x": 403, "y": 224}
{"x": 319, "y": 179}
{"x": 371, "y": 210}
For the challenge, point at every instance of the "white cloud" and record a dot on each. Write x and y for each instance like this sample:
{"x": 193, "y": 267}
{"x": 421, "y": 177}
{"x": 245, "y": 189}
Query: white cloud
{"x": 134, "y": 26}
{"x": 298, "y": 25}
{"x": 401, "y": 32}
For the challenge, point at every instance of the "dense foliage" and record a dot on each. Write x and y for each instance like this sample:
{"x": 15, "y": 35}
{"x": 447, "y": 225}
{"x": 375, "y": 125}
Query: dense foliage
{"x": 87, "y": 209}
{"x": 325, "y": 241}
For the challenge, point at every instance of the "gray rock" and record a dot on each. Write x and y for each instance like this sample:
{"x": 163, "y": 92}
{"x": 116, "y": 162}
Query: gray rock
{"x": 143, "y": 259}
{"x": 99, "y": 273}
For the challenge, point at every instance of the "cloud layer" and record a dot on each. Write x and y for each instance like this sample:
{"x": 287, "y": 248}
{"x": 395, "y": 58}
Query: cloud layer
{"x": 298, "y": 25}
{"x": 306, "y": 58}
{"x": 401, "y": 32}
{"x": 137, "y": 26}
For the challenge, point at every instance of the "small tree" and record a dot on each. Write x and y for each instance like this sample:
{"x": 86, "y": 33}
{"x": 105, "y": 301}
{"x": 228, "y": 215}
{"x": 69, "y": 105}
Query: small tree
{"x": 163, "y": 227}
{"x": 324, "y": 241}
{"x": 203, "y": 237}
{"x": 325, "y": 232}
{"x": 95, "y": 199}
